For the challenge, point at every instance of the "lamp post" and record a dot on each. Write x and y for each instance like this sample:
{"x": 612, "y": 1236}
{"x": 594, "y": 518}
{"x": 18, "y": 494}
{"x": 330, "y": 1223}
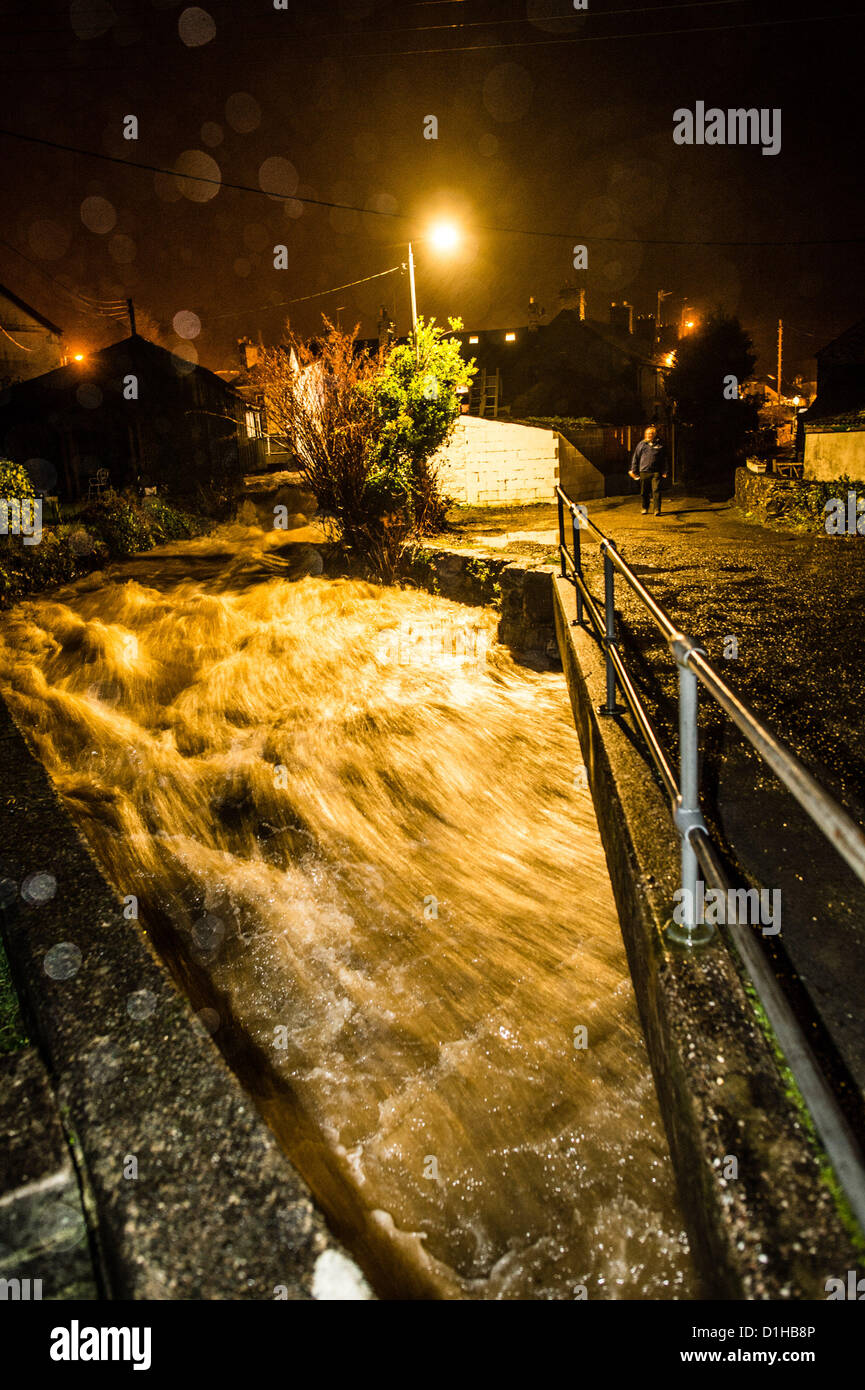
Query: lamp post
{"x": 444, "y": 237}
{"x": 413, "y": 299}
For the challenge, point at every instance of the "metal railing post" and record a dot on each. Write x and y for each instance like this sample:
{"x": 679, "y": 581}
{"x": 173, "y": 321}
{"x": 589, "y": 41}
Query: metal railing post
{"x": 561, "y": 534}
{"x": 688, "y": 931}
{"x": 609, "y": 707}
{"x": 578, "y": 560}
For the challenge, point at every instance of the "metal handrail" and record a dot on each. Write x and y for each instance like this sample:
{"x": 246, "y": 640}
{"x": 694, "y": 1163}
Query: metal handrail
{"x": 696, "y": 846}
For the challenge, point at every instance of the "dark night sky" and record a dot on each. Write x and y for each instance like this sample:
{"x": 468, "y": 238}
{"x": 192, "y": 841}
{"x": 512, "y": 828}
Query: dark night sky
{"x": 546, "y": 124}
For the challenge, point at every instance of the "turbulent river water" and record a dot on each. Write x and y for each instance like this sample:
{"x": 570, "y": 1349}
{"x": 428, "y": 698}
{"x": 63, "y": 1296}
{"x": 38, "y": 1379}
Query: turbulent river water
{"x": 355, "y": 833}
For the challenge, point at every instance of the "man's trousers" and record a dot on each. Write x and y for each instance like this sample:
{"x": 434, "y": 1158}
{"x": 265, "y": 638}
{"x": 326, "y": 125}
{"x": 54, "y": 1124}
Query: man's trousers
{"x": 650, "y": 483}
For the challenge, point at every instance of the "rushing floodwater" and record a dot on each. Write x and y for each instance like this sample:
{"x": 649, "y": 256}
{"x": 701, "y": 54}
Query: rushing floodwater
{"x": 352, "y": 825}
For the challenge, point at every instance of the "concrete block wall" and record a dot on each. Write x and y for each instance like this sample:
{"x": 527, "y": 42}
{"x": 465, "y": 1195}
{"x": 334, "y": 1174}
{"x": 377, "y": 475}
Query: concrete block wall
{"x": 580, "y": 479}
{"x": 494, "y": 463}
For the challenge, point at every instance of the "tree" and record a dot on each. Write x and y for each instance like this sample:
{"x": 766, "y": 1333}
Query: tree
{"x": 706, "y": 383}
{"x": 415, "y": 406}
{"x": 364, "y": 429}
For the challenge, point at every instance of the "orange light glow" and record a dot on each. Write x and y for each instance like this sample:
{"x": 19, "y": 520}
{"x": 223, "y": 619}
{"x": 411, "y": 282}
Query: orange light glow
{"x": 444, "y": 236}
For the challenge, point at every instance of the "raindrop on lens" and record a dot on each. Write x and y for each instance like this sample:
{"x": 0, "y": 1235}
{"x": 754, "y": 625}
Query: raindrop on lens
{"x": 141, "y": 1004}
{"x": 62, "y": 961}
{"x": 38, "y": 888}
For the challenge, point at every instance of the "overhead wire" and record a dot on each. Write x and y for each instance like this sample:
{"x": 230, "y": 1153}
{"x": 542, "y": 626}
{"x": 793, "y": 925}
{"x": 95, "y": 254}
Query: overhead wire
{"x": 403, "y": 217}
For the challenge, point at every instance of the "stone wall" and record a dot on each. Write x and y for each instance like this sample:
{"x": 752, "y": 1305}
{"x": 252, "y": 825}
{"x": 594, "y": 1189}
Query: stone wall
{"x": 523, "y": 596}
{"x": 791, "y": 504}
{"x": 763, "y": 497}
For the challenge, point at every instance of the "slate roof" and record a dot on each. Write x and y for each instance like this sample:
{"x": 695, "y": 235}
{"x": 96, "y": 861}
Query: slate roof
{"x": 836, "y": 421}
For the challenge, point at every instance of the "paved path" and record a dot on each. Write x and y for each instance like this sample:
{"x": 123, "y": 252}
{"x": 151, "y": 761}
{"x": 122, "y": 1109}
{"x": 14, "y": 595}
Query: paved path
{"x": 796, "y": 607}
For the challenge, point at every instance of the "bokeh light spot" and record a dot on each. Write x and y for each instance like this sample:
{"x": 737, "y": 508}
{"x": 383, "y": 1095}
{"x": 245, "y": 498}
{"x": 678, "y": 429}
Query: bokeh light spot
{"x": 278, "y": 177}
{"x": 186, "y": 324}
{"x": 191, "y": 168}
{"x": 243, "y": 112}
{"x": 98, "y": 215}
{"x": 196, "y": 27}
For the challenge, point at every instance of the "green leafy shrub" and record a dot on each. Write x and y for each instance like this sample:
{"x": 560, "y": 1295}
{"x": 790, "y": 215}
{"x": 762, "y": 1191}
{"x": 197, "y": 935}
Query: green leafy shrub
{"x": 15, "y": 481}
{"x": 112, "y": 528}
{"x": 119, "y": 524}
{"x": 168, "y": 523}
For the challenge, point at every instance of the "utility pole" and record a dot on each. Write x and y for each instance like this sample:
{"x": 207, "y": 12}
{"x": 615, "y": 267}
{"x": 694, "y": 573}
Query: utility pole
{"x": 778, "y": 377}
{"x": 413, "y": 300}
{"x": 130, "y": 309}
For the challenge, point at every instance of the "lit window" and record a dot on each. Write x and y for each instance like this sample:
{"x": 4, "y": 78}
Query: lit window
{"x": 510, "y": 337}
{"x": 474, "y": 338}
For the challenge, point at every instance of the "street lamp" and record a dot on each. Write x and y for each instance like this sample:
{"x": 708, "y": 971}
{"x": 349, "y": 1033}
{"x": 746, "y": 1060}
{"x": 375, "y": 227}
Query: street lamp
{"x": 443, "y": 236}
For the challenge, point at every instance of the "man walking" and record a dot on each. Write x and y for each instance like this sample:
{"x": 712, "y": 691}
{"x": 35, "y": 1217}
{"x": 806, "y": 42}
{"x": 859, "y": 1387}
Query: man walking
{"x": 648, "y": 467}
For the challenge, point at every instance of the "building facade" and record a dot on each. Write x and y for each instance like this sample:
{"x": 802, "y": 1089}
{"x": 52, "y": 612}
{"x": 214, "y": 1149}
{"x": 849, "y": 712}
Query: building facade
{"x": 135, "y": 410}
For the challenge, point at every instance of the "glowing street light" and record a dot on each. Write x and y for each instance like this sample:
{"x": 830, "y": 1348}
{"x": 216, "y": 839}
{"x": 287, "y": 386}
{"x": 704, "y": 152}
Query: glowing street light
{"x": 443, "y": 236}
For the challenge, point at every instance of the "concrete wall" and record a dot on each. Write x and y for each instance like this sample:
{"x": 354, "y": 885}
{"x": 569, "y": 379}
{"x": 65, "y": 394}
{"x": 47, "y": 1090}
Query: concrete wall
{"x": 835, "y": 454}
{"x": 580, "y": 479}
{"x": 494, "y": 463}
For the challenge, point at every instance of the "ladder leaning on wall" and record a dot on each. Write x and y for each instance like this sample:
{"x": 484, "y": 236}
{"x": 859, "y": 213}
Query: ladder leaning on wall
{"x": 485, "y": 393}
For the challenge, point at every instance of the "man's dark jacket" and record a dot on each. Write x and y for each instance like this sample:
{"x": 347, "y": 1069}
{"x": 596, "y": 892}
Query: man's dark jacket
{"x": 650, "y": 456}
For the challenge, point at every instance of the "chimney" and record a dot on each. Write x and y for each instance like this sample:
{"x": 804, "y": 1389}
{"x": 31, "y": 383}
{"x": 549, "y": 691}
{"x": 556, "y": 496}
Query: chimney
{"x": 248, "y": 353}
{"x": 622, "y": 316}
{"x": 569, "y": 296}
{"x": 644, "y": 329}
{"x": 385, "y": 329}
{"x": 536, "y": 314}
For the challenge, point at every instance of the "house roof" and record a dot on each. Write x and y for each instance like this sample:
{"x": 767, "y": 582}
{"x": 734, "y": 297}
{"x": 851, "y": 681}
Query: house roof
{"x": 834, "y": 422}
{"x": 134, "y": 344}
{"x": 848, "y": 347}
{"x": 28, "y": 309}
